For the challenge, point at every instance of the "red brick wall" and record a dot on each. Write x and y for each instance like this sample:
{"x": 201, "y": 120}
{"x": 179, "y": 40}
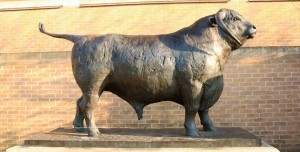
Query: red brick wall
{"x": 261, "y": 94}
{"x": 38, "y": 92}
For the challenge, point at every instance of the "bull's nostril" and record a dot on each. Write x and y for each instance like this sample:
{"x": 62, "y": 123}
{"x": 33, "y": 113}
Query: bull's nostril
{"x": 253, "y": 27}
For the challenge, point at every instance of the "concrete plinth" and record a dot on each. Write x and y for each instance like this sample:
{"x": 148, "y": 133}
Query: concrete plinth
{"x": 162, "y": 140}
{"x": 145, "y": 138}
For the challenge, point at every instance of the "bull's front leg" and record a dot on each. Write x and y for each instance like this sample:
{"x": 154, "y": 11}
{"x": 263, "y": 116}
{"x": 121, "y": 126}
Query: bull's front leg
{"x": 205, "y": 121}
{"x": 189, "y": 123}
{"x": 191, "y": 99}
{"x": 212, "y": 91}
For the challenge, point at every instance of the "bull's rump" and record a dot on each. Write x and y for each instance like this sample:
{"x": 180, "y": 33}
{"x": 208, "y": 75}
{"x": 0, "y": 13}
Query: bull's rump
{"x": 139, "y": 69}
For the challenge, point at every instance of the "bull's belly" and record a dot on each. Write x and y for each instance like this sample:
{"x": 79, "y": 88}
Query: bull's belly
{"x": 144, "y": 75}
{"x": 144, "y": 86}
{"x": 144, "y": 95}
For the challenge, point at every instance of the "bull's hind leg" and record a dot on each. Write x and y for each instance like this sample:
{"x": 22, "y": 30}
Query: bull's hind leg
{"x": 205, "y": 121}
{"x": 88, "y": 104}
{"x": 78, "y": 120}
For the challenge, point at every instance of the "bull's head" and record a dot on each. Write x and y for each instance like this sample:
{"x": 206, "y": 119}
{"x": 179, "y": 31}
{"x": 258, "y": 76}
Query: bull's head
{"x": 234, "y": 26}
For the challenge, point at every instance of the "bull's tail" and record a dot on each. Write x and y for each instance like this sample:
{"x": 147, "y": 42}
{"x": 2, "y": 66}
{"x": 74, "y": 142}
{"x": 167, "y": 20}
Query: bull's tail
{"x": 72, "y": 38}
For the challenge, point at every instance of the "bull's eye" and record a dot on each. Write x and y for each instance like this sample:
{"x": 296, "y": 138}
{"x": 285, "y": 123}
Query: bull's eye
{"x": 236, "y": 19}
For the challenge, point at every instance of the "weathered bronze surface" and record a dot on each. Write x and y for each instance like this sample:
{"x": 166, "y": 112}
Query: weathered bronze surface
{"x": 185, "y": 67}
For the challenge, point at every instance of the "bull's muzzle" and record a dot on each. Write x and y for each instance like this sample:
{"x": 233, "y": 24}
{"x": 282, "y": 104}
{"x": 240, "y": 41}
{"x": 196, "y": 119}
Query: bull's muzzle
{"x": 252, "y": 32}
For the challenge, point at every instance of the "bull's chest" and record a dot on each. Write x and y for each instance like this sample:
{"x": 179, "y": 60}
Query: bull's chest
{"x": 213, "y": 66}
{"x": 202, "y": 67}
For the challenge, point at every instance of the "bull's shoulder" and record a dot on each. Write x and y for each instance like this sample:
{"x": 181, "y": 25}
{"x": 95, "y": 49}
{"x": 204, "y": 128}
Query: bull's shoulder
{"x": 197, "y": 65}
{"x": 190, "y": 66}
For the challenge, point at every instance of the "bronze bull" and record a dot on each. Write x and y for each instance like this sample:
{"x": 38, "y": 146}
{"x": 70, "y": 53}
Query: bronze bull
{"x": 185, "y": 67}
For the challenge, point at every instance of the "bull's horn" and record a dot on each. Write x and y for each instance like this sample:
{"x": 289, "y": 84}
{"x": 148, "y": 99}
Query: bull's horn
{"x": 219, "y": 19}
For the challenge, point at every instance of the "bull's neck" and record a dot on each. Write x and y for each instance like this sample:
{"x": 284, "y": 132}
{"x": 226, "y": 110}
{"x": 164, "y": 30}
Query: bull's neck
{"x": 209, "y": 40}
{"x": 221, "y": 47}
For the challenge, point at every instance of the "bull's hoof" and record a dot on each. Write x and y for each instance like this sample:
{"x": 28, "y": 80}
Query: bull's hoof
{"x": 79, "y": 129}
{"x": 193, "y": 133}
{"x": 93, "y": 132}
{"x": 97, "y": 134}
{"x": 211, "y": 128}
{"x": 78, "y": 125}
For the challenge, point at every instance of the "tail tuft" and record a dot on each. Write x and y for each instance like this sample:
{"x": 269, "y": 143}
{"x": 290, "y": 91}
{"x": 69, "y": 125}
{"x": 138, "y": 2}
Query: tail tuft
{"x": 41, "y": 27}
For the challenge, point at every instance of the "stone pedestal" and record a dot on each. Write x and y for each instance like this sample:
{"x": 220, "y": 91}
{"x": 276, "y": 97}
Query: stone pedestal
{"x": 125, "y": 139}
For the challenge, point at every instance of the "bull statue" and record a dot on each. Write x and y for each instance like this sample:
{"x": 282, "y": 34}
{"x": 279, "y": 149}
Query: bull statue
{"x": 185, "y": 67}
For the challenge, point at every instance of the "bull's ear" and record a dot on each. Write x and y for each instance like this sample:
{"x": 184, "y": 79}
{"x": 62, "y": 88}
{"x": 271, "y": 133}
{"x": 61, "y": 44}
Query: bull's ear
{"x": 212, "y": 21}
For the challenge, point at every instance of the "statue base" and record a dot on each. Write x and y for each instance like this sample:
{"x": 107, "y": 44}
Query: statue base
{"x": 145, "y": 138}
{"x": 168, "y": 139}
